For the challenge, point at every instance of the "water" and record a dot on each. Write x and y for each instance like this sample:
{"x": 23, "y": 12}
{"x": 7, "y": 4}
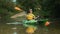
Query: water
{"x": 19, "y": 29}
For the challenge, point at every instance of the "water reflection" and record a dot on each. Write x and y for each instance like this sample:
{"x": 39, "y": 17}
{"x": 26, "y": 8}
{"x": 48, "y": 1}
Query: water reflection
{"x": 19, "y": 29}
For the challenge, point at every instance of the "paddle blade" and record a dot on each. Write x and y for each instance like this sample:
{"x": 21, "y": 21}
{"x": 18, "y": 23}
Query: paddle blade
{"x": 47, "y": 23}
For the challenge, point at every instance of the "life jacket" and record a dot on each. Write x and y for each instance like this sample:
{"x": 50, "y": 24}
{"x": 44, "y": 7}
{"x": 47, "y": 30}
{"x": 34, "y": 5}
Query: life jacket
{"x": 30, "y": 16}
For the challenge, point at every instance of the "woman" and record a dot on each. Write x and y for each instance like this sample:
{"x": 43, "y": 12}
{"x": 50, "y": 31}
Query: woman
{"x": 30, "y": 19}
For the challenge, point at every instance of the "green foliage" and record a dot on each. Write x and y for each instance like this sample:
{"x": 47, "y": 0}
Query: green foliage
{"x": 6, "y": 10}
{"x": 46, "y": 6}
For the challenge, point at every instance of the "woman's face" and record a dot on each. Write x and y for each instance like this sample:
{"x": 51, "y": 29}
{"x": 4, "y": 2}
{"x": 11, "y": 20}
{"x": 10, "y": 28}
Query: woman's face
{"x": 30, "y": 10}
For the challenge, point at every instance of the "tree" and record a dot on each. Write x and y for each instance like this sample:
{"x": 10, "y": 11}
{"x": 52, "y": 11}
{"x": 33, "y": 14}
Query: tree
{"x": 6, "y": 10}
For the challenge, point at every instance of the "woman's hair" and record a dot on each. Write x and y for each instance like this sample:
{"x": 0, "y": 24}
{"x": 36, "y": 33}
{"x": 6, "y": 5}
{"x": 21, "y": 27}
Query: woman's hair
{"x": 29, "y": 10}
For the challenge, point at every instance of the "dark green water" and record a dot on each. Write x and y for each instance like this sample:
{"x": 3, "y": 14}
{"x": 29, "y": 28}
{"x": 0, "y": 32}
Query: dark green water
{"x": 7, "y": 29}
